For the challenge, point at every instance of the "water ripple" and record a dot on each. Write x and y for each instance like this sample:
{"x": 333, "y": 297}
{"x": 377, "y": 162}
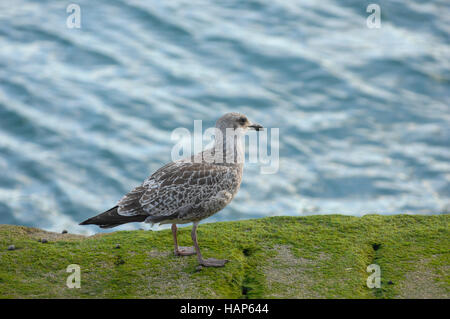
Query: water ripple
{"x": 86, "y": 114}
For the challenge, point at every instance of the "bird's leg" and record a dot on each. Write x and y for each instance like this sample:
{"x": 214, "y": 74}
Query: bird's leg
{"x": 181, "y": 251}
{"x": 210, "y": 262}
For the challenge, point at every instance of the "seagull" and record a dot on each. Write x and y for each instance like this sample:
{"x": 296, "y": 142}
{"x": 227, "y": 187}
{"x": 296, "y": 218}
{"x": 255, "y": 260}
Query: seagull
{"x": 188, "y": 190}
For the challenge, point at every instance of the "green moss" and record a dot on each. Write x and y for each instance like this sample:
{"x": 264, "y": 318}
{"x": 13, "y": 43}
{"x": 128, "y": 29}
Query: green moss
{"x": 278, "y": 257}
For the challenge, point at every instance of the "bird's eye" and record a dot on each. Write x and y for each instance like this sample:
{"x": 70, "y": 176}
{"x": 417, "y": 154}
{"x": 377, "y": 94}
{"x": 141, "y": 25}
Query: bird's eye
{"x": 242, "y": 120}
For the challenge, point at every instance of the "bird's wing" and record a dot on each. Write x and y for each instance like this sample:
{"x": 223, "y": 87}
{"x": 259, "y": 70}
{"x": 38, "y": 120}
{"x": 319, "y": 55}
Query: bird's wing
{"x": 175, "y": 186}
{"x": 129, "y": 204}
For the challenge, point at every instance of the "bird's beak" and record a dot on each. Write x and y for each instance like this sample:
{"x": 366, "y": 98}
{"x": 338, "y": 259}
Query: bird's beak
{"x": 256, "y": 127}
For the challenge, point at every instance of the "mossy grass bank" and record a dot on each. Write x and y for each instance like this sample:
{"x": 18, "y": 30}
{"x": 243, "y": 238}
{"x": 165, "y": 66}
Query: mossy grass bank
{"x": 277, "y": 257}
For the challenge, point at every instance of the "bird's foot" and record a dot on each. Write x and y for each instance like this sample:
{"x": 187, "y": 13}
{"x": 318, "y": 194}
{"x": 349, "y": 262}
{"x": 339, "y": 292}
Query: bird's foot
{"x": 212, "y": 262}
{"x": 185, "y": 251}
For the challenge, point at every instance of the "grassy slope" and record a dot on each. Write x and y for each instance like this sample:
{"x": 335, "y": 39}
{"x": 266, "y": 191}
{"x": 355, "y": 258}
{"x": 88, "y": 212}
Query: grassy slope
{"x": 278, "y": 257}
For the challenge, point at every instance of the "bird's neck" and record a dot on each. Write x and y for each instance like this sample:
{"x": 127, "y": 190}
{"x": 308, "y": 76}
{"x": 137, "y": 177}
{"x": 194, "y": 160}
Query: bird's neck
{"x": 232, "y": 148}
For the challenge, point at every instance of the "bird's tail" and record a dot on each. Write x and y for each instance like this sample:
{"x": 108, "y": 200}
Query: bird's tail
{"x": 111, "y": 218}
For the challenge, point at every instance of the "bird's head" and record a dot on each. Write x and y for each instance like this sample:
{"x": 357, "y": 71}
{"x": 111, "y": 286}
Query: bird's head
{"x": 236, "y": 121}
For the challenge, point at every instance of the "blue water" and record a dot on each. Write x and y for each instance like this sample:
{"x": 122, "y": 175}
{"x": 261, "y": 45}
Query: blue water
{"x": 87, "y": 114}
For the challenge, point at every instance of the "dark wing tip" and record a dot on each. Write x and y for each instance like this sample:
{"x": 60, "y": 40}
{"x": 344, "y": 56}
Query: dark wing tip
{"x": 88, "y": 221}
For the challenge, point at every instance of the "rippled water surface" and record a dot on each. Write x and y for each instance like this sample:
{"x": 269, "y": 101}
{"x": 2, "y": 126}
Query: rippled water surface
{"x": 87, "y": 114}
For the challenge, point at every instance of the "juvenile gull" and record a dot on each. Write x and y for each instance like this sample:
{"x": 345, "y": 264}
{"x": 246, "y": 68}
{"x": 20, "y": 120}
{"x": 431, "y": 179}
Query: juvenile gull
{"x": 188, "y": 190}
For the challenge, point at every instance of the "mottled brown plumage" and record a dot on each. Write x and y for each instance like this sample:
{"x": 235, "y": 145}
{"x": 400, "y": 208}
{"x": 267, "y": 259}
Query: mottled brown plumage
{"x": 187, "y": 190}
